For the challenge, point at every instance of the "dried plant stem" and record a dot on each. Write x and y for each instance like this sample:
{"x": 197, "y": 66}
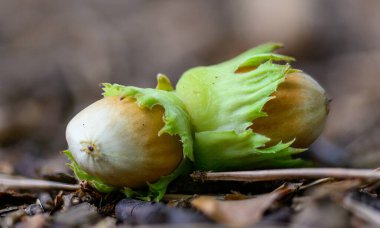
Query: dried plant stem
{"x": 24, "y": 183}
{"x": 286, "y": 174}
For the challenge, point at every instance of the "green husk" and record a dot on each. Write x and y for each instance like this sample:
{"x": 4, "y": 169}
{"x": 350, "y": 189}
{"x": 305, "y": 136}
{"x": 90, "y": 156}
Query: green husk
{"x": 83, "y": 175}
{"x": 177, "y": 122}
{"x": 156, "y": 191}
{"x": 223, "y": 103}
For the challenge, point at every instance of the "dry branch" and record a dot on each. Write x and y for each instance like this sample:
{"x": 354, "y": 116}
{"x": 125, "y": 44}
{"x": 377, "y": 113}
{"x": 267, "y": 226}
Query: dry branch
{"x": 287, "y": 174}
{"x": 24, "y": 183}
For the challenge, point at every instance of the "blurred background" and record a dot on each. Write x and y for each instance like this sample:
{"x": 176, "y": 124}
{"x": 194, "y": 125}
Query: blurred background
{"x": 54, "y": 55}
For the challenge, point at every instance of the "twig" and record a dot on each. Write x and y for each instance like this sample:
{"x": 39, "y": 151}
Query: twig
{"x": 24, "y": 183}
{"x": 177, "y": 196}
{"x": 286, "y": 174}
{"x": 316, "y": 182}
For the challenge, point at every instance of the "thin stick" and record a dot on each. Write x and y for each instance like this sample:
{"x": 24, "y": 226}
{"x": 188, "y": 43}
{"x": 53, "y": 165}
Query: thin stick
{"x": 286, "y": 174}
{"x": 24, "y": 183}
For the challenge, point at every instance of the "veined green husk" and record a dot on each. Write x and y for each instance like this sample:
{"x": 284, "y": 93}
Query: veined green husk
{"x": 176, "y": 122}
{"x": 223, "y": 103}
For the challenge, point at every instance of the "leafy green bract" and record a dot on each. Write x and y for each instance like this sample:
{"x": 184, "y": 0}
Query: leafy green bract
{"x": 223, "y": 103}
{"x": 176, "y": 122}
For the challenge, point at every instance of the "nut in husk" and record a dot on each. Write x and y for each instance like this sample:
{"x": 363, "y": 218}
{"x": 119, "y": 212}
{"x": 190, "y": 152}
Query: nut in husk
{"x": 117, "y": 141}
{"x": 297, "y": 111}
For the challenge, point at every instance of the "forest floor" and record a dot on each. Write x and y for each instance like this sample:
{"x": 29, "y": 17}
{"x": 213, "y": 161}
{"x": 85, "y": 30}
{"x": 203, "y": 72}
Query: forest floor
{"x": 319, "y": 197}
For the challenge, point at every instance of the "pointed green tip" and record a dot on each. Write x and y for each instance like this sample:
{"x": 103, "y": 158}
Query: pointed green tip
{"x": 163, "y": 83}
{"x": 269, "y": 46}
{"x": 254, "y": 57}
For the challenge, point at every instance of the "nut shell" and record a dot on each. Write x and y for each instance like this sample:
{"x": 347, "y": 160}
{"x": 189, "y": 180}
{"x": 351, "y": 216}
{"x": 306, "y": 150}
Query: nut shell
{"x": 298, "y": 111}
{"x": 116, "y": 141}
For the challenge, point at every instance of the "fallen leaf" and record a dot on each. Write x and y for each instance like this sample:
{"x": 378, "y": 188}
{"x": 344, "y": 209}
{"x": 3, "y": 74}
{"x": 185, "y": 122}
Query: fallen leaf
{"x": 320, "y": 206}
{"x": 57, "y": 203}
{"x": 321, "y": 212}
{"x": 334, "y": 188}
{"x": 241, "y": 213}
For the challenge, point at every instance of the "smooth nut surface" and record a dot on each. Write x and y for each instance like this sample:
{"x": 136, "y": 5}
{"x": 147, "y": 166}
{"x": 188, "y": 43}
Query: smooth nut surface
{"x": 117, "y": 141}
{"x": 298, "y": 111}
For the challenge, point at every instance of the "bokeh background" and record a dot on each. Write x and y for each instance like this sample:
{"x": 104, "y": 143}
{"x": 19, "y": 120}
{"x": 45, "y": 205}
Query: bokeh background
{"x": 54, "y": 55}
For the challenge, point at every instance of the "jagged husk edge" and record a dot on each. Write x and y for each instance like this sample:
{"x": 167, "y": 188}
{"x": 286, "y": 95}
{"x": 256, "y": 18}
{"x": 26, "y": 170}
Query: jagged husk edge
{"x": 156, "y": 191}
{"x": 223, "y": 139}
{"x": 177, "y": 122}
{"x": 229, "y": 150}
{"x": 83, "y": 175}
{"x": 176, "y": 119}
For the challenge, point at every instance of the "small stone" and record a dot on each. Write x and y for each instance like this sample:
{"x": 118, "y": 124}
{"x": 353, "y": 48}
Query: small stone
{"x": 46, "y": 201}
{"x": 34, "y": 209}
{"x": 77, "y": 216}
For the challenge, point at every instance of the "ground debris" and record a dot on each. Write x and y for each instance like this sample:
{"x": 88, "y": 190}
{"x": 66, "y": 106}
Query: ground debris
{"x": 6, "y": 168}
{"x": 15, "y": 198}
{"x": 37, "y": 221}
{"x": 241, "y": 213}
{"x": 136, "y": 212}
{"x": 108, "y": 222}
{"x": 8, "y": 209}
{"x": 77, "y": 216}
{"x": 34, "y": 209}
{"x": 325, "y": 202}
{"x": 361, "y": 210}
{"x": 12, "y": 218}
{"x": 321, "y": 213}
{"x": 46, "y": 201}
